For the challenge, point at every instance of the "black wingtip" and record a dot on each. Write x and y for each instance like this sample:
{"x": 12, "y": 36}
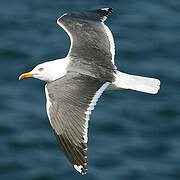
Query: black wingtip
{"x": 98, "y": 15}
{"x": 104, "y": 12}
{"x": 107, "y": 11}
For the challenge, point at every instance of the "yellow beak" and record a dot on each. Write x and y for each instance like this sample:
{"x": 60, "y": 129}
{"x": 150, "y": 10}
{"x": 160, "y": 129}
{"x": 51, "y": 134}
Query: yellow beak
{"x": 25, "y": 75}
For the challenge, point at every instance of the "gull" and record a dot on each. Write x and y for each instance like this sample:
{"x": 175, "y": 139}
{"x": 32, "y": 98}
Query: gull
{"x": 75, "y": 83}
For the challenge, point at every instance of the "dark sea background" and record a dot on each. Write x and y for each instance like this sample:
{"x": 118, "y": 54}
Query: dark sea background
{"x": 132, "y": 135}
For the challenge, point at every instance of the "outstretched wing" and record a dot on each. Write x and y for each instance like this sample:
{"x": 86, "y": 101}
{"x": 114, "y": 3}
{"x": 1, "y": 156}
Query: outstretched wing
{"x": 92, "y": 45}
{"x": 70, "y": 101}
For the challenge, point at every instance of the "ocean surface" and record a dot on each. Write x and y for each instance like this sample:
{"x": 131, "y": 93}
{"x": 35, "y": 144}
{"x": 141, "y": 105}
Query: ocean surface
{"x": 132, "y": 135}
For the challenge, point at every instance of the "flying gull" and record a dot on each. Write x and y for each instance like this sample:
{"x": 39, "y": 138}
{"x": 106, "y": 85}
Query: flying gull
{"x": 75, "y": 83}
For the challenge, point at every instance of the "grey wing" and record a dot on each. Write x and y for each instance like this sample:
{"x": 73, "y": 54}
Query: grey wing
{"x": 70, "y": 101}
{"x": 92, "y": 45}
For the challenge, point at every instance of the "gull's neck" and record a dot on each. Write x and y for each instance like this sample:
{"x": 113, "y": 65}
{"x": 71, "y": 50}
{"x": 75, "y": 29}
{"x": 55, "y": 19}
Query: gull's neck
{"x": 57, "y": 68}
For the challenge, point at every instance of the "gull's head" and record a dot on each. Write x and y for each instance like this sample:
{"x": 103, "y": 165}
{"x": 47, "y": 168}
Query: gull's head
{"x": 48, "y": 71}
{"x": 41, "y": 72}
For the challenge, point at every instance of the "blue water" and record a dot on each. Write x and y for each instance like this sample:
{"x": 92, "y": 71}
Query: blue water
{"x": 132, "y": 135}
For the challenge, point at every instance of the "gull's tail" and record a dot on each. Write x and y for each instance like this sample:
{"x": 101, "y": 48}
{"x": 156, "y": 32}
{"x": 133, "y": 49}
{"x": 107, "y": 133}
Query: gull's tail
{"x": 138, "y": 83}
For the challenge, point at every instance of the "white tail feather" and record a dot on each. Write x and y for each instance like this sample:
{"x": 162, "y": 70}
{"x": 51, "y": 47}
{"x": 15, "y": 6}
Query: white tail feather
{"x": 138, "y": 83}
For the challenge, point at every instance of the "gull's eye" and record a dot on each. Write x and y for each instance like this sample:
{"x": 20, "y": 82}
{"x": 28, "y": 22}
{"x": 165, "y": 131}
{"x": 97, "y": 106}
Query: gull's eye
{"x": 41, "y": 69}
